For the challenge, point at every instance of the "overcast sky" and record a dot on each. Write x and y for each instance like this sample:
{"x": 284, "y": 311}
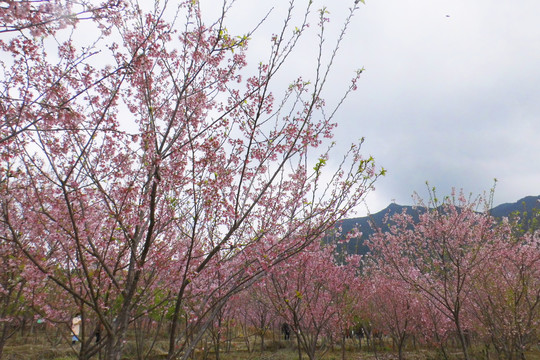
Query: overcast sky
{"x": 450, "y": 95}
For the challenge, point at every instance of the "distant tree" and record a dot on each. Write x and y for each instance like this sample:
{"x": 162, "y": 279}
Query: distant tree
{"x": 506, "y": 298}
{"x": 348, "y": 307}
{"x": 526, "y": 220}
{"x": 255, "y": 312}
{"x": 442, "y": 254}
{"x": 393, "y": 307}
{"x": 310, "y": 293}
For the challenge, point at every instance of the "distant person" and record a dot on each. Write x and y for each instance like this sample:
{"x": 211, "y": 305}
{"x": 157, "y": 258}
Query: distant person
{"x": 98, "y": 334}
{"x": 286, "y": 331}
{"x": 75, "y": 328}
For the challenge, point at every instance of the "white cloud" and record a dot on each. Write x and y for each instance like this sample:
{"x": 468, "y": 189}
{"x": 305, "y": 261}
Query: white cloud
{"x": 452, "y": 100}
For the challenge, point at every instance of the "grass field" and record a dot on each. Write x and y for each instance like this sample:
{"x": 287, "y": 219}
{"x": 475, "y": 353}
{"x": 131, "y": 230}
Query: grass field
{"x": 47, "y": 348}
{"x": 36, "y": 349}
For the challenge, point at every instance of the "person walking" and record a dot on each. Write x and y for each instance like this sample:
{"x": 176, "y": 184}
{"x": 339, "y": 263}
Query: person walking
{"x": 75, "y": 328}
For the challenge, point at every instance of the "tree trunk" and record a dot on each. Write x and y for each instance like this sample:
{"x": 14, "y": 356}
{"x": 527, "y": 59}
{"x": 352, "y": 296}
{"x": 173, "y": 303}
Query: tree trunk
{"x": 115, "y": 342}
{"x": 463, "y": 342}
{"x": 113, "y": 349}
{"x": 343, "y": 347}
{"x": 229, "y": 337}
{"x": 299, "y": 346}
{"x": 2, "y": 344}
{"x": 400, "y": 343}
{"x": 217, "y": 348}
{"x": 175, "y": 321}
{"x": 217, "y": 338}
{"x": 4, "y": 336}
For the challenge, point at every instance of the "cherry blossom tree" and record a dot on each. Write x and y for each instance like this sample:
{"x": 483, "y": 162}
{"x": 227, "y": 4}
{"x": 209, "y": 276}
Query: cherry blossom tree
{"x": 442, "y": 254}
{"x": 255, "y": 313}
{"x": 506, "y": 297}
{"x": 393, "y": 307}
{"x": 435, "y": 329}
{"x": 309, "y": 292}
{"x": 348, "y": 303}
{"x": 150, "y": 155}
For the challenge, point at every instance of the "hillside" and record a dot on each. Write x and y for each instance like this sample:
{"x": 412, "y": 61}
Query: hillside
{"x": 356, "y": 245}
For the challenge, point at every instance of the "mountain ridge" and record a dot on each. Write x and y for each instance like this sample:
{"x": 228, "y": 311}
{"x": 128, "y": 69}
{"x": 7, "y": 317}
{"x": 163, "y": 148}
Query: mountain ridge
{"x": 357, "y": 245}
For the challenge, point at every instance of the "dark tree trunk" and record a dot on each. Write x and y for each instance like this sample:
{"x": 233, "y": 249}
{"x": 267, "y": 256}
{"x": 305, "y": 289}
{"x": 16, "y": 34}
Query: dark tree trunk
{"x": 343, "y": 347}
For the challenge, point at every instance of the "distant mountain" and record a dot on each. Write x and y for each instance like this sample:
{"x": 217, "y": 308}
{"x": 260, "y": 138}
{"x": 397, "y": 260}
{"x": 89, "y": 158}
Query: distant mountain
{"x": 365, "y": 224}
{"x": 523, "y": 205}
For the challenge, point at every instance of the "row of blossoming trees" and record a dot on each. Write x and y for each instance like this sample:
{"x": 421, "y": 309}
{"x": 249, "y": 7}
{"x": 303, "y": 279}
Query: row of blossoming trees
{"x": 156, "y": 183}
{"x": 435, "y": 278}
{"x": 457, "y": 272}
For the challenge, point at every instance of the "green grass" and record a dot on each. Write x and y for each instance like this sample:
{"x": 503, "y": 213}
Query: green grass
{"x": 45, "y": 348}
{"x": 39, "y": 352}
